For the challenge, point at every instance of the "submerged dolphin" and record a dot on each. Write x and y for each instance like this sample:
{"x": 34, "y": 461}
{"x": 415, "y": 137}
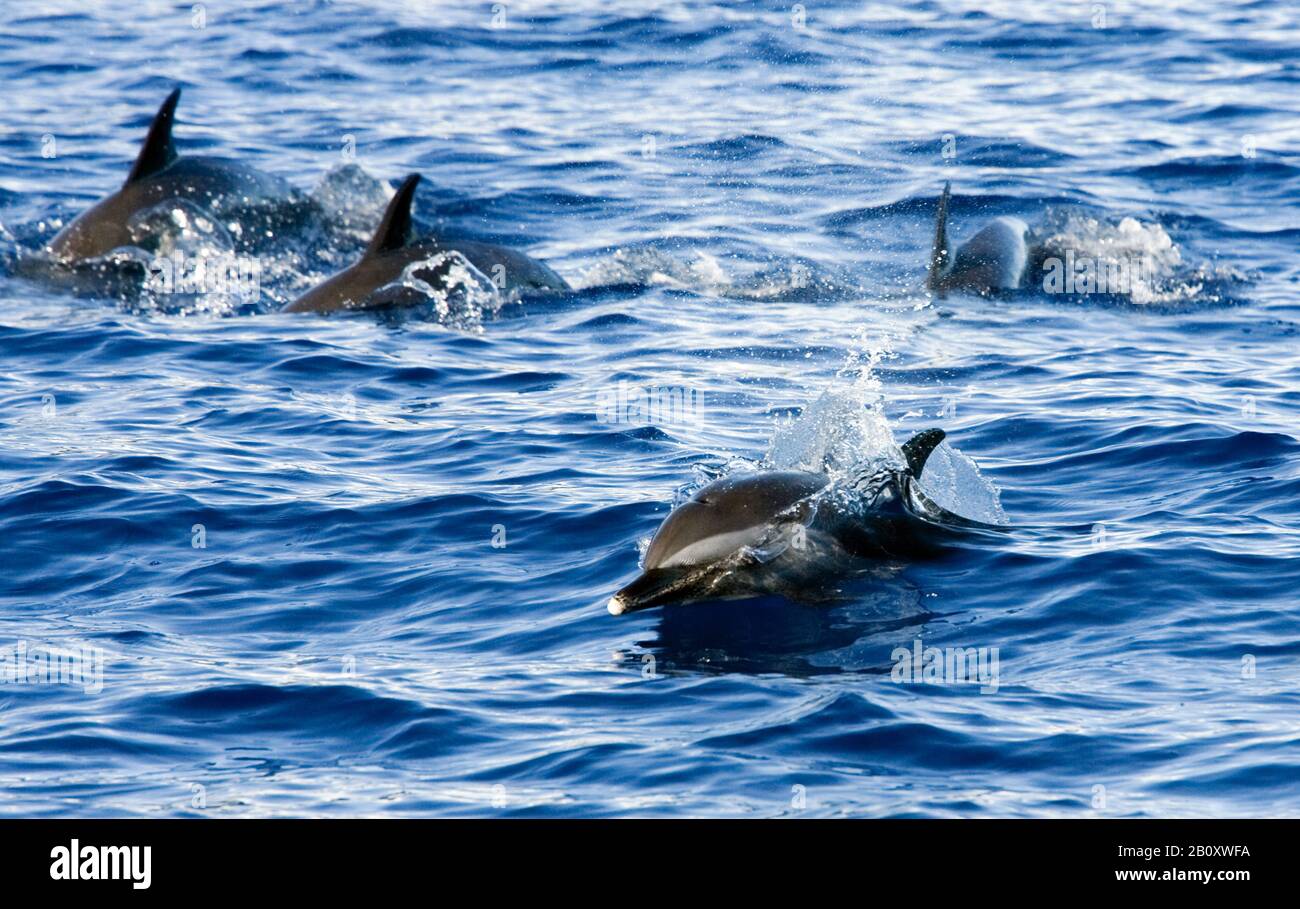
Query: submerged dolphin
{"x": 738, "y": 523}
{"x": 392, "y": 249}
{"x": 159, "y": 175}
{"x": 992, "y": 260}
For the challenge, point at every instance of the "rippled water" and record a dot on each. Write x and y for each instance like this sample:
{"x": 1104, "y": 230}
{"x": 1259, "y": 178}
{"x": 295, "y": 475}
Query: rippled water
{"x": 359, "y": 565}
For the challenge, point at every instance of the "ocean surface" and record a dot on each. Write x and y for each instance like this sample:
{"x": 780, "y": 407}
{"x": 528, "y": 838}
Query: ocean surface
{"x": 359, "y": 565}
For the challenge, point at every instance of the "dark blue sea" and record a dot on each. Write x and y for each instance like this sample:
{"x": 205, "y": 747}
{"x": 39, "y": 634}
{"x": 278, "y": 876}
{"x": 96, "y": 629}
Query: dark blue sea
{"x": 359, "y": 565}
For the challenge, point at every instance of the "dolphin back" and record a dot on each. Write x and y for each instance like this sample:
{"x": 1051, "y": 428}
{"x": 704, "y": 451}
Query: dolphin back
{"x": 160, "y": 175}
{"x": 993, "y": 259}
{"x": 392, "y": 248}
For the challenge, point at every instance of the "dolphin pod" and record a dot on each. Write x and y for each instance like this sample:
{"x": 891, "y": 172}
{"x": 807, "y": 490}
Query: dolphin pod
{"x": 160, "y": 174}
{"x": 993, "y": 259}
{"x": 727, "y": 530}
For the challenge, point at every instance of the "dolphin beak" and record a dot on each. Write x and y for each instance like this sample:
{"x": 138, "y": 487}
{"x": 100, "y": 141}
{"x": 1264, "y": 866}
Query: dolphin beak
{"x": 652, "y": 588}
{"x": 617, "y": 605}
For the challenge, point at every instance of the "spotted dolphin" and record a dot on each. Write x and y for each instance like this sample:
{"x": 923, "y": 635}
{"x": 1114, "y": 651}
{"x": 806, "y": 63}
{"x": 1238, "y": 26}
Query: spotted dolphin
{"x": 994, "y": 259}
{"x": 734, "y": 524}
{"x": 392, "y": 250}
{"x": 160, "y": 174}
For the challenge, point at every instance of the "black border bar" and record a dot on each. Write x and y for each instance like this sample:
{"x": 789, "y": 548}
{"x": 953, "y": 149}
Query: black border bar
{"x": 329, "y": 858}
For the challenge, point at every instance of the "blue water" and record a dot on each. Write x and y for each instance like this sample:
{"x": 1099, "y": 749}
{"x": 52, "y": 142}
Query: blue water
{"x": 278, "y": 531}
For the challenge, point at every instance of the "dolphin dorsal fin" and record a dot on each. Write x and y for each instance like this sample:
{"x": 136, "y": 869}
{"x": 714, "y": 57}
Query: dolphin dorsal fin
{"x": 918, "y": 448}
{"x": 158, "y": 150}
{"x": 940, "y": 255}
{"x": 395, "y": 229}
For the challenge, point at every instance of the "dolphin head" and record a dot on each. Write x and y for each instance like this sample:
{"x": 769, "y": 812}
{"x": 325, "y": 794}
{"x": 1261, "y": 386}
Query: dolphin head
{"x": 717, "y": 522}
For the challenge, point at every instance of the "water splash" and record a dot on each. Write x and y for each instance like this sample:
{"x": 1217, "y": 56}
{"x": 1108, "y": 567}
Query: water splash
{"x": 838, "y": 434}
{"x": 444, "y": 288}
{"x": 845, "y": 428}
{"x": 179, "y": 226}
{"x": 845, "y": 432}
{"x": 1150, "y": 264}
{"x": 697, "y": 271}
{"x": 655, "y": 266}
{"x": 953, "y": 481}
{"x": 351, "y": 200}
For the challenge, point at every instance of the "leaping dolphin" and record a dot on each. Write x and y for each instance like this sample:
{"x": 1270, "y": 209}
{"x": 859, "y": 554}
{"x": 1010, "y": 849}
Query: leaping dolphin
{"x": 392, "y": 249}
{"x": 992, "y": 260}
{"x": 160, "y": 174}
{"x": 734, "y": 525}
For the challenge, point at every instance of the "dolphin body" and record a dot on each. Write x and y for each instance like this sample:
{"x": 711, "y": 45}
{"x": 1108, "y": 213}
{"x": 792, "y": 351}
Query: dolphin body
{"x": 737, "y": 525}
{"x": 392, "y": 250}
{"x": 159, "y": 175}
{"x": 992, "y": 260}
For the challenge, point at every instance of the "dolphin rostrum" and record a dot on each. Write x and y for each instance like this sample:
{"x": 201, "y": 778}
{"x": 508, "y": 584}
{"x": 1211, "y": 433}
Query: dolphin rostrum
{"x": 741, "y": 522}
{"x": 392, "y": 250}
{"x": 994, "y": 259}
{"x": 160, "y": 175}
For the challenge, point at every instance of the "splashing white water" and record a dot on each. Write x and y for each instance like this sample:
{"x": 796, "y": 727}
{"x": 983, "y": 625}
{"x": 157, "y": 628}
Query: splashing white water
{"x": 845, "y": 429}
{"x": 845, "y": 432}
{"x": 652, "y": 266}
{"x": 352, "y": 199}
{"x": 1149, "y": 262}
{"x": 837, "y": 434}
{"x": 190, "y": 261}
{"x": 179, "y": 226}
{"x": 447, "y": 288}
{"x": 952, "y": 481}
{"x": 700, "y": 272}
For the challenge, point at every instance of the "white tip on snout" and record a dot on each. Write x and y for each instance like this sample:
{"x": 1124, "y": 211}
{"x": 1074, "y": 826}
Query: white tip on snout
{"x": 616, "y": 606}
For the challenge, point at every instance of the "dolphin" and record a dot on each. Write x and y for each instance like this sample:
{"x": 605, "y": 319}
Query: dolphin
{"x": 159, "y": 175}
{"x": 392, "y": 249}
{"x": 992, "y": 260}
{"x": 737, "y": 524}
